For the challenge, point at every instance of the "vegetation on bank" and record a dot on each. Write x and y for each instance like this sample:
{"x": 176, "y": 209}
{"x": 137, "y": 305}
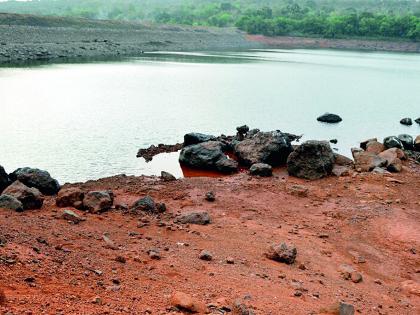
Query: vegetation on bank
{"x": 322, "y": 18}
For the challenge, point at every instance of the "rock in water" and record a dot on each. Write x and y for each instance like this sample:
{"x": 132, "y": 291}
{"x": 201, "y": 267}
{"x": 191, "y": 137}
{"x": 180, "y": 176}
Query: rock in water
{"x": 195, "y": 138}
{"x": 70, "y": 197}
{"x": 418, "y": 120}
{"x": 207, "y": 155}
{"x": 195, "y": 217}
{"x": 406, "y": 121}
{"x": 282, "y": 253}
{"x": 31, "y": 198}
{"x": 393, "y": 142}
{"x": 311, "y": 160}
{"x": 407, "y": 141}
{"x": 4, "y": 179}
{"x": 329, "y": 118}
{"x": 10, "y": 202}
{"x": 261, "y": 169}
{"x": 39, "y": 179}
{"x": 264, "y": 147}
{"x": 98, "y": 201}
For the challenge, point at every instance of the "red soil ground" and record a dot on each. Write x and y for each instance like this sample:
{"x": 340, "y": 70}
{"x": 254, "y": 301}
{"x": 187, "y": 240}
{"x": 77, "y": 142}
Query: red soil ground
{"x": 370, "y": 222}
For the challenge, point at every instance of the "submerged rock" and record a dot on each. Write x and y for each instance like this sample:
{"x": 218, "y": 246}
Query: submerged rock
{"x": 418, "y": 120}
{"x": 261, "y": 169}
{"x": 407, "y": 141}
{"x": 98, "y": 201}
{"x": 31, "y": 198}
{"x": 10, "y": 202}
{"x": 264, "y": 147}
{"x": 311, "y": 160}
{"x": 195, "y": 138}
{"x": 39, "y": 179}
{"x": 282, "y": 253}
{"x": 329, "y": 118}
{"x": 393, "y": 142}
{"x": 406, "y": 121}
{"x": 207, "y": 155}
{"x": 4, "y": 179}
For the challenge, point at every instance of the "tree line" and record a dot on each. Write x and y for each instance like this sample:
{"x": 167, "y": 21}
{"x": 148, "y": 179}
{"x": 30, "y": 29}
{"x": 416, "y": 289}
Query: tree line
{"x": 319, "y": 18}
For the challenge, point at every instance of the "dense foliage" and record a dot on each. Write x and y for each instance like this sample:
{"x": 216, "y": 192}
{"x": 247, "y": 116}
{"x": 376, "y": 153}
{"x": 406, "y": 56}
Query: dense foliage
{"x": 324, "y": 18}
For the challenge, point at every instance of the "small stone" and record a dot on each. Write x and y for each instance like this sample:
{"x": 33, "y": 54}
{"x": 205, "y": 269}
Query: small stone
{"x": 282, "y": 253}
{"x": 3, "y": 299}
{"x": 195, "y": 217}
{"x": 298, "y": 190}
{"x": 10, "y": 202}
{"x": 97, "y": 300}
{"x": 121, "y": 259}
{"x": 210, "y": 196}
{"x": 205, "y": 255}
{"x": 356, "y": 277}
{"x": 186, "y": 302}
{"x": 69, "y": 215}
{"x": 154, "y": 254}
{"x": 261, "y": 169}
{"x": 167, "y": 177}
{"x": 98, "y": 201}
{"x": 230, "y": 260}
{"x": 70, "y": 197}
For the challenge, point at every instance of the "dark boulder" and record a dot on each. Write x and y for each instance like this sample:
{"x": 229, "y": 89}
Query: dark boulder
{"x": 264, "y": 147}
{"x": 70, "y": 197}
{"x": 393, "y": 142}
{"x": 311, "y": 160}
{"x": 195, "y": 217}
{"x": 146, "y": 204}
{"x": 418, "y": 120}
{"x": 282, "y": 253}
{"x": 195, "y": 138}
{"x": 242, "y": 129}
{"x": 98, "y": 201}
{"x": 207, "y": 155}
{"x": 4, "y": 179}
{"x": 31, "y": 198}
{"x": 39, "y": 179}
{"x": 407, "y": 141}
{"x": 329, "y": 118}
{"x": 10, "y": 202}
{"x": 261, "y": 169}
{"x": 406, "y": 121}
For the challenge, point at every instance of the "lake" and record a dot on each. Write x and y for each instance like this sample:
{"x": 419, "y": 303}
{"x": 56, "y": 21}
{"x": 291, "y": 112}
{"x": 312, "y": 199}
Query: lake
{"x": 84, "y": 121}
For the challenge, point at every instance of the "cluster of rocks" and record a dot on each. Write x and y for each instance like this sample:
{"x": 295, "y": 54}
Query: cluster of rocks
{"x": 386, "y": 156}
{"x": 25, "y": 188}
{"x": 259, "y": 151}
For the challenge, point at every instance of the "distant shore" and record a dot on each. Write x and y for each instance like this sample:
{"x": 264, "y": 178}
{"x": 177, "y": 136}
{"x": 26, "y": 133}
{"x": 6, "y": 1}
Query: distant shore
{"x": 322, "y": 43}
{"x": 26, "y": 38}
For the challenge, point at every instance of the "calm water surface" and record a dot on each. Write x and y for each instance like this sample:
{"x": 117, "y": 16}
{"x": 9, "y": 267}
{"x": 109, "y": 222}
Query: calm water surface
{"x": 86, "y": 121}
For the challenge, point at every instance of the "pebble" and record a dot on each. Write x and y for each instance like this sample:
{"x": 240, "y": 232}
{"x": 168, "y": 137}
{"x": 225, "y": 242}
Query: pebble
{"x": 205, "y": 255}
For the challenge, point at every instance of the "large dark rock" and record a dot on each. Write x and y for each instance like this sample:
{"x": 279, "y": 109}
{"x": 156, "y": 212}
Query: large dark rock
{"x": 393, "y": 142}
{"x": 145, "y": 204}
{"x": 418, "y": 120}
{"x": 242, "y": 129}
{"x": 98, "y": 201}
{"x": 261, "y": 169}
{"x": 31, "y": 198}
{"x": 311, "y": 160}
{"x": 207, "y": 155}
{"x": 4, "y": 179}
{"x": 407, "y": 141}
{"x": 195, "y": 138}
{"x": 406, "y": 121}
{"x": 10, "y": 202}
{"x": 264, "y": 147}
{"x": 33, "y": 177}
{"x": 329, "y": 118}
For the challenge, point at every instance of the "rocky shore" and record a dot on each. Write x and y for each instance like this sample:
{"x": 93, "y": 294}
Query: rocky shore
{"x": 26, "y": 38}
{"x": 296, "y": 229}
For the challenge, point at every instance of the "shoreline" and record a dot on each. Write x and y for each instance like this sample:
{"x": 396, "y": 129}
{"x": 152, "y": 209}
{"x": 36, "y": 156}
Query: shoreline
{"x": 40, "y": 39}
